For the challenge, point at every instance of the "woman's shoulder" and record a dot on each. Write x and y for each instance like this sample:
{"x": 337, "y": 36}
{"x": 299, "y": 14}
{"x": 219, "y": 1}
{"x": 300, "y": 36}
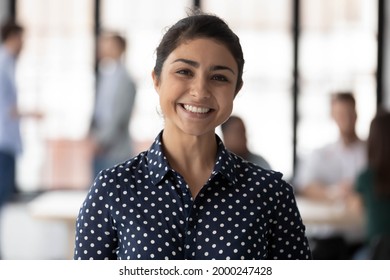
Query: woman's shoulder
{"x": 259, "y": 176}
{"x": 123, "y": 172}
{"x": 268, "y": 185}
{"x": 249, "y": 166}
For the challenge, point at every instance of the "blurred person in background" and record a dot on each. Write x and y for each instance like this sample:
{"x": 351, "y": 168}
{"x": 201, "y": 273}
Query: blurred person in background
{"x": 115, "y": 97}
{"x": 10, "y": 138}
{"x": 328, "y": 175}
{"x": 373, "y": 187}
{"x": 234, "y": 137}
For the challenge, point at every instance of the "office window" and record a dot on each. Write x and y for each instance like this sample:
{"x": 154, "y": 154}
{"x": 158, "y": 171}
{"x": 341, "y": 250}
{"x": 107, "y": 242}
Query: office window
{"x": 55, "y": 76}
{"x": 338, "y": 52}
{"x": 265, "y": 101}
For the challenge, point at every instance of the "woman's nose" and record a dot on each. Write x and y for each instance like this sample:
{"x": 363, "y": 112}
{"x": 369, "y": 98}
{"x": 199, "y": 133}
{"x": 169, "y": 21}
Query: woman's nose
{"x": 200, "y": 88}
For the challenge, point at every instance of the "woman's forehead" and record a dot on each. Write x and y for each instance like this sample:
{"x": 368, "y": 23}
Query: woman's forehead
{"x": 204, "y": 48}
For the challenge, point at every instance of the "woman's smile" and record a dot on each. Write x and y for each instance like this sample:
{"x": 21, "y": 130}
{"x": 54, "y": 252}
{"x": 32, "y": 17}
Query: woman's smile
{"x": 195, "y": 112}
{"x": 196, "y": 109}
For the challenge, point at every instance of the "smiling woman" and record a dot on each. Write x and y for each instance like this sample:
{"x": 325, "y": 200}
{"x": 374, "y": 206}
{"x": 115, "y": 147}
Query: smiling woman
{"x": 201, "y": 86}
{"x": 188, "y": 197}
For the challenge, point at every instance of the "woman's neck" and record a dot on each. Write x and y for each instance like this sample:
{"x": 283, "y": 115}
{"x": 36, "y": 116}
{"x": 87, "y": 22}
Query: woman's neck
{"x": 191, "y": 156}
{"x": 188, "y": 150}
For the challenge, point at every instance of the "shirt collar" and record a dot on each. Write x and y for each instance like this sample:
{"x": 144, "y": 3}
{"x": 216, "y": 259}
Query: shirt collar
{"x": 225, "y": 163}
{"x": 156, "y": 161}
{"x": 158, "y": 164}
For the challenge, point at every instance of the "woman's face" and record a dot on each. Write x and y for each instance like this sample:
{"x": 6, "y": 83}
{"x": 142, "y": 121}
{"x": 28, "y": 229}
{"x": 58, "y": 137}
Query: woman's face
{"x": 197, "y": 86}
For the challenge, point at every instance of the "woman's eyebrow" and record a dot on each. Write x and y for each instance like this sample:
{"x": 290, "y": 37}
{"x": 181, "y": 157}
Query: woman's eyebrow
{"x": 187, "y": 61}
{"x": 196, "y": 65}
{"x": 221, "y": 67}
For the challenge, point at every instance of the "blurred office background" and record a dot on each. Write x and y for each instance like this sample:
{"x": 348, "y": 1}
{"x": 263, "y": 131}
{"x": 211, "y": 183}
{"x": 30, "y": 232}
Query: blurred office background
{"x": 297, "y": 52}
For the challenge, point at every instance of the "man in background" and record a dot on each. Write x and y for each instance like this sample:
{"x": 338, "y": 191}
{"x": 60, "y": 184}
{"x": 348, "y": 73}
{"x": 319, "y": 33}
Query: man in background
{"x": 234, "y": 137}
{"x": 10, "y": 138}
{"x": 328, "y": 175}
{"x": 115, "y": 97}
{"x": 10, "y": 115}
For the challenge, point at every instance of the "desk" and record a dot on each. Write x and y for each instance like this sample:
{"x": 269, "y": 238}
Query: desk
{"x": 61, "y": 206}
{"x": 317, "y": 213}
{"x": 321, "y": 218}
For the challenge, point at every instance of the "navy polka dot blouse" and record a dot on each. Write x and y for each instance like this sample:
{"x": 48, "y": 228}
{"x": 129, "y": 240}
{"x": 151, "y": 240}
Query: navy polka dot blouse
{"x": 143, "y": 209}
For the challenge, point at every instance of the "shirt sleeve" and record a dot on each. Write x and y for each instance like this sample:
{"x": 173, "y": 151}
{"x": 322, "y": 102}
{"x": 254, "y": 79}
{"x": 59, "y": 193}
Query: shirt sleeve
{"x": 96, "y": 235}
{"x": 288, "y": 239}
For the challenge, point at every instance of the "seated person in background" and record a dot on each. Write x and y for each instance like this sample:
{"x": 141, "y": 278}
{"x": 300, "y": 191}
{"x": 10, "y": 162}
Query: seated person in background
{"x": 329, "y": 172}
{"x": 234, "y": 137}
{"x": 373, "y": 184}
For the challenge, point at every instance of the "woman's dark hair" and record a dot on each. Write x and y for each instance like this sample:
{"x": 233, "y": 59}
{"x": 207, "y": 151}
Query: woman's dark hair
{"x": 200, "y": 26}
{"x": 379, "y": 152}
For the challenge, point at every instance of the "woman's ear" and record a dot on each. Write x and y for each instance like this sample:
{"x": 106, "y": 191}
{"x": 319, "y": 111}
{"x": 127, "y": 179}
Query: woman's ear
{"x": 238, "y": 88}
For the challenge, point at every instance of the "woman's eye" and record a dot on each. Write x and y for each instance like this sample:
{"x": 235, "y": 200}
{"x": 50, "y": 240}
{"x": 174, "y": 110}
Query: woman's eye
{"x": 184, "y": 72}
{"x": 219, "y": 78}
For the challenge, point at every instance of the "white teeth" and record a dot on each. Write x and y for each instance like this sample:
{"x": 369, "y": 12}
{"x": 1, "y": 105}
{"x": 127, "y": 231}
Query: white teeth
{"x": 194, "y": 109}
